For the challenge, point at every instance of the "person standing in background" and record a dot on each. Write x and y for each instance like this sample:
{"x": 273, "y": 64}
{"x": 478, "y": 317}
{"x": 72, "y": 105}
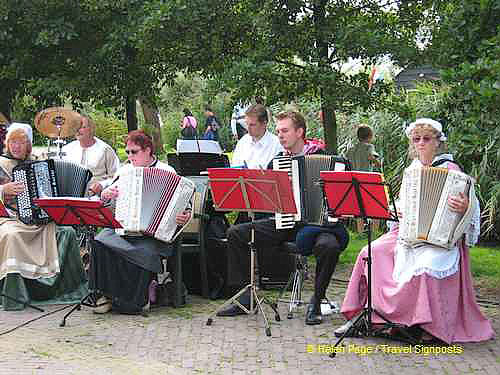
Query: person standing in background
{"x": 188, "y": 125}
{"x": 93, "y": 153}
{"x": 212, "y": 125}
{"x": 238, "y": 125}
{"x": 363, "y": 157}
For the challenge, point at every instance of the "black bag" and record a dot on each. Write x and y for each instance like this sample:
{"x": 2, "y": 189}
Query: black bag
{"x": 275, "y": 267}
{"x": 165, "y": 294}
{"x": 188, "y": 132}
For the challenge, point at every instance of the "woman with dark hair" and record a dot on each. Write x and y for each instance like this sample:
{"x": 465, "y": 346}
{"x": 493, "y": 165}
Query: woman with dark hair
{"x": 122, "y": 267}
{"x": 188, "y": 126}
{"x": 421, "y": 285}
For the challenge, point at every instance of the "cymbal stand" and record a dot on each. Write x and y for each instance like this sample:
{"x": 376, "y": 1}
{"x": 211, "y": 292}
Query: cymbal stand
{"x": 58, "y": 122}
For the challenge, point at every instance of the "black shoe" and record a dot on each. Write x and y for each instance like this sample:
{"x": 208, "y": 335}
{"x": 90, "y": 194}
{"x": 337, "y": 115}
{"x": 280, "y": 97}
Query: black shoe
{"x": 313, "y": 316}
{"x": 232, "y": 310}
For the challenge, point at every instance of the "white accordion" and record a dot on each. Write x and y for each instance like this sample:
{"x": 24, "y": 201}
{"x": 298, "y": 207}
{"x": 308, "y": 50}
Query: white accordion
{"x": 424, "y": 206}
{"x": 307, "y": 192}
{"x": 149, "y": 201}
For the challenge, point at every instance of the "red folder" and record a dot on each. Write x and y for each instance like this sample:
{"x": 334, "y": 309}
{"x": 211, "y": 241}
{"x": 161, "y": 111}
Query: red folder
{"x": 3, "y": 210}
{"x": 250, "y": 190}
{"x": 342, "y": 197}
{"x": 78, "y": 211}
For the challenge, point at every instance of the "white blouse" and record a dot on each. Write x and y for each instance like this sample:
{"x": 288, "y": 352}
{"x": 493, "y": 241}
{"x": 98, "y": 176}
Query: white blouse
{"x": 422, "y": 258}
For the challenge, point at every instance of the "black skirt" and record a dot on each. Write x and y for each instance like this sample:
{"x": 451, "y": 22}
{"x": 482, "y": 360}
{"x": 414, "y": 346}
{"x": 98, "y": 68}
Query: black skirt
{"x": 122, "y": 268}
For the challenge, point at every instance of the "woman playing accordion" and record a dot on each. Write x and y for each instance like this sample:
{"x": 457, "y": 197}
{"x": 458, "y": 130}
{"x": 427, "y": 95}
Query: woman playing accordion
{"x": 423, "y": 286}
{"x": 38, "y": 262}
{"x": 122, "y": 267}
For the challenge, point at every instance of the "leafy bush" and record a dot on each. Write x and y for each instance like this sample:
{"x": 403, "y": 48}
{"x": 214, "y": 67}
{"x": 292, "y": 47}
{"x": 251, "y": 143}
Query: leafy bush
{"x": 110, "y": 129}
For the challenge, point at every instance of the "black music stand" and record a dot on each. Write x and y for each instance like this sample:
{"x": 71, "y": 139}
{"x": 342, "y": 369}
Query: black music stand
{"x": 85, "y": 213}
{"x": 4, "y": 213}
{"x": 251, "y": 191}
{"x": 363, "y": 195}
{"x": 194, "y": 163}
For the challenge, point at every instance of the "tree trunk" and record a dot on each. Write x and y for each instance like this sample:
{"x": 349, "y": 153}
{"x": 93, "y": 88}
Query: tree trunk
{"x": 329, "y": 125}
{"x": 152, "y": 117}
{"x": 131, "y": 109}
{"x": 8, "y": 93}
{"x": 327, "y": 105}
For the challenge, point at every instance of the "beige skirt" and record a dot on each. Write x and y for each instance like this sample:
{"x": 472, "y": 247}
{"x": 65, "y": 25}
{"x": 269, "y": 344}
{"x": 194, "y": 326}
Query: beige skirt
{"x": 30, "y": 250}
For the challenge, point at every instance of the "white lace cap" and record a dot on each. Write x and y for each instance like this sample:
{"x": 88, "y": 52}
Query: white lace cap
{"x": 426, "y": 121}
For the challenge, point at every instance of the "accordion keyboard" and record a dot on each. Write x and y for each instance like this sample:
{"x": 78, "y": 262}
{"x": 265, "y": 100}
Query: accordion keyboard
{"x": 39, "y": 180}
{"x": 287, "y": 221}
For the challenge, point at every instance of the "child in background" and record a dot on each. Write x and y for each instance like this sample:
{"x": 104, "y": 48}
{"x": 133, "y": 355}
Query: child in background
{"x": 363, "y": 157}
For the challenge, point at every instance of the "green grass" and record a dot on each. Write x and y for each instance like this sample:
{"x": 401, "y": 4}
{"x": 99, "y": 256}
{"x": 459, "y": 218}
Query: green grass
{"x": 356, "y": 243}
{"x": 485, "y": 261}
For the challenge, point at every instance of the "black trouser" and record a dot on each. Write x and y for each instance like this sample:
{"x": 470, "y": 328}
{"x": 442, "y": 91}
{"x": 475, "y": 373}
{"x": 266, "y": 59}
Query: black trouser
{"x": 327, "y": 249}
{"x": 240, "y": 130}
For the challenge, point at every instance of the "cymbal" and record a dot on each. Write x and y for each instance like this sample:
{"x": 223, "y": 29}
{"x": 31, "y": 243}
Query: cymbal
{"x": 3, "y": 119}
{"x": 57, "y": 122}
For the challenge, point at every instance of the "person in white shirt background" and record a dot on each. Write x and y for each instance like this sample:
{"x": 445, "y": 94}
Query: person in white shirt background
{"x": 93, "y": 153}
{"x": 257, "y": 148}
{"x": 238, "y": 124}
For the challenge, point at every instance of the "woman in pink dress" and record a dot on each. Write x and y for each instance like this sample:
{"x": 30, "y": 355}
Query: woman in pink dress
{"x": 423, "y": 286}
{"x": 188, "y": 125}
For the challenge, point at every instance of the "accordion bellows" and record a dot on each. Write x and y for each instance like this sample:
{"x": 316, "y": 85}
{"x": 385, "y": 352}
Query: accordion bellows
{"x": 149, "y": 201}
{"x": 308, "y": 194}
{"x": 72, "y": 178}
{"x": 424, "y": 205}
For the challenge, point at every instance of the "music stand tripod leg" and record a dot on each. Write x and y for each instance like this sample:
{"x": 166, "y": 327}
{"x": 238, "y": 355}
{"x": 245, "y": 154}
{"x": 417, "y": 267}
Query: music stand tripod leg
{"x": 90, "y": 296}
{"x": 90, "y": 300}
{"x": 252, "y": 288}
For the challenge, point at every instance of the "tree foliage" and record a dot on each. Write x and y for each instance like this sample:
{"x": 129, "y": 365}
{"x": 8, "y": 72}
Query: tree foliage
{"x": 467, "y": 48}
{"x": 301, "y": 48}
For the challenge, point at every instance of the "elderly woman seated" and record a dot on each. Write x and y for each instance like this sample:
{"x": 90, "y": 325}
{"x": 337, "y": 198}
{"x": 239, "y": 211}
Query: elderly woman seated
{"x": 422, "y": 286}
{"x": 37, "y": 262}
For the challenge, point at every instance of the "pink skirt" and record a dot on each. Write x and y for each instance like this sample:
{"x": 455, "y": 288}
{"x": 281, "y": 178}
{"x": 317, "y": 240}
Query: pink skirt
{"x": 445, "y": 308}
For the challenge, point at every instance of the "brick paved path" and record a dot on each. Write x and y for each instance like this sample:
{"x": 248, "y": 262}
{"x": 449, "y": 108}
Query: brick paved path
{"x": 177, "y": 341}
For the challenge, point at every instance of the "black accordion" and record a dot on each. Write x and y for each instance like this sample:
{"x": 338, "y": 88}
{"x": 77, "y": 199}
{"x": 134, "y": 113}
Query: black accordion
{"x": 47, "y": 178}
{"x": 307, "y": 191}
{"x": 72, "y": 178}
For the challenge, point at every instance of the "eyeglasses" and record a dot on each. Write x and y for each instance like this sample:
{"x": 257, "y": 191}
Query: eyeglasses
{"x": 133, "y": 152}
{"x": 17, "y": 143}
{"x": 425, "y": 139}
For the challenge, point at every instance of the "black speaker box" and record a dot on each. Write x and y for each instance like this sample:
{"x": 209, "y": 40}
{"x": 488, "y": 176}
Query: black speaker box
{"x": 275, "y": 267}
